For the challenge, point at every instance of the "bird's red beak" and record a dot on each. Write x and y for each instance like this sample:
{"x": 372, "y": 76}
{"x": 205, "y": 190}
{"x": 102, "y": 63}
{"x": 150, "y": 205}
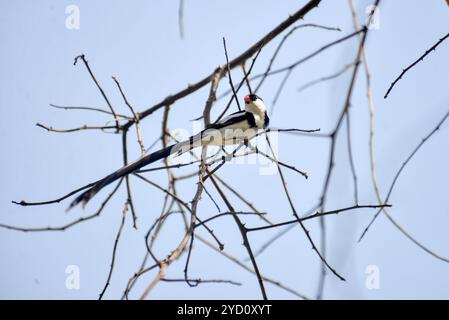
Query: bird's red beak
{"x": 247, "y": 99}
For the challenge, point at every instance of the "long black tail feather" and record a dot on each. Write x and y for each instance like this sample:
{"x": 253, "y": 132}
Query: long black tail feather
{"x": 136, "y": 165}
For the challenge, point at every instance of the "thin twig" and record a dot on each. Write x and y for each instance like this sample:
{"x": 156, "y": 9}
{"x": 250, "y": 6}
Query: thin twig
{"x": 281, "y": 233}
{"x": 257, "y": 151}
{"x": 81, "y": 128}
{"x": 83, "y": 58}
{"x": 319, "y": 214}
{"x": 199, "y": 281}
{"x": 283, "y": 41}
{"x": 70, "y": 224}
{"x": 127, "y": 178}
{"x": 222, "y": 214}
{"x": 114, "y": 251}
{"x": 245, "y": 79}
{"x": 310, "y": 55}
{"x": 402, "y": 167}
{"x": 242, "y": 265}
{"x": 229, "y": 75}
{"x": 245, "y": 74}
{"x": 421, "y": 58}
{"x": 351, "y": 157}
{"x": 40, "y": 203}
{"x": 243, "y": 232}
{"x": 279, "y": 90}
{"x": 89, "y": 109}
{"x": 325, "y": 78}
{"x": 295, "y": 214}
{"x": 136, "y": 118}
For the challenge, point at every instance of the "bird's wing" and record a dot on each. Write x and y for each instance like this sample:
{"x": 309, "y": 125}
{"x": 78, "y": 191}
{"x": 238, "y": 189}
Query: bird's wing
{"x": 228, "y": 120}
{"x": 239, "y": 119}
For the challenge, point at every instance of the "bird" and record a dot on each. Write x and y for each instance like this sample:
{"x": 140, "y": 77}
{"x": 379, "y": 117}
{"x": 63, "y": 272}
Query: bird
{"x": 235, "y": 128}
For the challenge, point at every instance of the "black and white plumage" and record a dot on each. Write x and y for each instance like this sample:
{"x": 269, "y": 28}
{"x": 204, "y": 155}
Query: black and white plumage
{"x": 235, "y": 128}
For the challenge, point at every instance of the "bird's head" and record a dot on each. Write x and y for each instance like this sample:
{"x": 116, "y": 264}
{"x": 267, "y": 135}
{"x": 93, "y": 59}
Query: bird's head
{"x": 253, "y": 103}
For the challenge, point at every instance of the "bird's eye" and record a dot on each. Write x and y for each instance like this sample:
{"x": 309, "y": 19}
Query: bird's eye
{"x": 254, "y": 97}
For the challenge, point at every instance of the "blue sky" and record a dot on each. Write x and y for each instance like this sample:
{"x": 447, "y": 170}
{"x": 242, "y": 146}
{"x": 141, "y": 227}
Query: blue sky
{"x": 139, "y": 44}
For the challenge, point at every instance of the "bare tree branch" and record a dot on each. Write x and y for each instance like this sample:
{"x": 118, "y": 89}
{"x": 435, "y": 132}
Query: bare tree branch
{"x": 421, "y": 58}
{"x": 83, "y": 58}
